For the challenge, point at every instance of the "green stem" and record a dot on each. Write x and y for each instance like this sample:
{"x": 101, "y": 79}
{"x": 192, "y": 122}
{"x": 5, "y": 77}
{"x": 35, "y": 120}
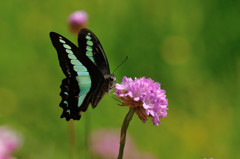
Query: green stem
{"x": 72, "y": 139}
{"x": 87, "y": 130}
{"x": 125, "y": 125}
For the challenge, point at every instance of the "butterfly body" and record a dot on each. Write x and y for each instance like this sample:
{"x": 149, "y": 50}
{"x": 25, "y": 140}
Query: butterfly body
{"x": 87, "y": 73}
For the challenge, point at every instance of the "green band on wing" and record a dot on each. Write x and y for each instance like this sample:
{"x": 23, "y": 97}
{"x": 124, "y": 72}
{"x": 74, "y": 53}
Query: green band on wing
{"x": 84, "y": 83}
{"x": 88, "y": 37}
{"x": 83, "y": 73}
{"x": 89, "y": 53}
{"x": 72, "y": 57}
{"x": 89, "y": 48}
{"x": 69, "y": 51}
{"x": 84, "y": 88}
{"x": 80, "y": 99}
{"x": 62, "y": 41}
{"x": 66, "y": 46}
{"x": 80, "y": 69}
{"x": 91, "y": 58}
{"x": 83, "y": 80}
{"x": 76, "y": 62}
{"x": 90, "y": 43}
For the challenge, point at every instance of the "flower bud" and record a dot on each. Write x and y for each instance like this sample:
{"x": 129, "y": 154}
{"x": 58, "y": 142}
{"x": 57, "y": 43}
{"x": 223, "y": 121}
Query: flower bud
{"x": 77, "y": 21}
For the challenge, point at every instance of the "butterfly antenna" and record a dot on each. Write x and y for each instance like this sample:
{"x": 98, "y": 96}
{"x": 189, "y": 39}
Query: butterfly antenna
{"x": 120, "y": 64}
{"x": 114, "y": 98}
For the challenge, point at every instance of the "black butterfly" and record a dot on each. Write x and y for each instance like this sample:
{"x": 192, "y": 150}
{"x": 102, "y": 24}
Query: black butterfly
{"x": 87, "y": 73}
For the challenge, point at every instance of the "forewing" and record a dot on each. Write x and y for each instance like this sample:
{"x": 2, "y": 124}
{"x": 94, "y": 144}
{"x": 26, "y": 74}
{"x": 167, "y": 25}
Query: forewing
{"x": 90, "y": 45}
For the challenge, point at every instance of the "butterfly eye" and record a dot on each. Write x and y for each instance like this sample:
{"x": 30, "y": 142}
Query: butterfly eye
{"x": 113, "y": 78}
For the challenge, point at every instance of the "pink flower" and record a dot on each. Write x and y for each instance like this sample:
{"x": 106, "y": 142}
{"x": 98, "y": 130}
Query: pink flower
{"x": 9, "y": 142}
{"x": 104, "y": 144}
{"x": 77, "y": 21}
{"x": 146, "y": 96}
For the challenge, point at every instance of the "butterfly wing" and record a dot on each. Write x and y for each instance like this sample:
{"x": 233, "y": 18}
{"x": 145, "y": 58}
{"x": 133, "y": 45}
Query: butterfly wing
{"x": 82, "y": 77}
{"x": 90, "y": 45}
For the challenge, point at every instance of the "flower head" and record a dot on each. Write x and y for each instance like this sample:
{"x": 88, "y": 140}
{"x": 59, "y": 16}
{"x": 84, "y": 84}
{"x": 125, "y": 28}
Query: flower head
{"x": 9, "y": 142}
{"x": 77, "y": 21}
{"x": 145, "y": 96}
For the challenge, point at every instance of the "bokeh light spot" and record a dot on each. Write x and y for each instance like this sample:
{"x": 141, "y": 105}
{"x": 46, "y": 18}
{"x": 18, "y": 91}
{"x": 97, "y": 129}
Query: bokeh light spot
{"x": 8, "y": 101}
{"x": 194, "y": 135}
{"x": 175, "y": 50}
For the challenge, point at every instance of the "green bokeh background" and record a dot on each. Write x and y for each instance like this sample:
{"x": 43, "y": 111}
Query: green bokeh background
{"x": 191, "y": 47}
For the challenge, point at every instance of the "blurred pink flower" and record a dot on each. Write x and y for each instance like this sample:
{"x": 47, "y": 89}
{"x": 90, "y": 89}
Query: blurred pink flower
{"x": 10, "y": 141}
{"x": 105, "y": 144}
{"x": 77, "y": 21}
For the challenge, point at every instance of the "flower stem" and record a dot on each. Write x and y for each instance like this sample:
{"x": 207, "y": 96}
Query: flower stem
{"x": 87, "y": 130}
{"x": 125, "y": 125}
{"x": 72, "y": 139}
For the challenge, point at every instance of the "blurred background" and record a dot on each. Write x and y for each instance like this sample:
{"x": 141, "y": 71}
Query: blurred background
{"x": 191, "y": 47}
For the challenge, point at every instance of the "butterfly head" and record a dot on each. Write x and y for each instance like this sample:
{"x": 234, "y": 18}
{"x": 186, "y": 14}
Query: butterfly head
{"x": 110, "y": 80}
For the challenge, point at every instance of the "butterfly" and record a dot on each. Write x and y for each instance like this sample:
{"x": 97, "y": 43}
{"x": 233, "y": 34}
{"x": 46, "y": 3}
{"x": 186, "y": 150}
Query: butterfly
{"x": 87, "y": 73}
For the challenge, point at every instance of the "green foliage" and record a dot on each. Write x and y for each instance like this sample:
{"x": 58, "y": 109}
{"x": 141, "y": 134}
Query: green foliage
{"x": 190, "y": 47}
